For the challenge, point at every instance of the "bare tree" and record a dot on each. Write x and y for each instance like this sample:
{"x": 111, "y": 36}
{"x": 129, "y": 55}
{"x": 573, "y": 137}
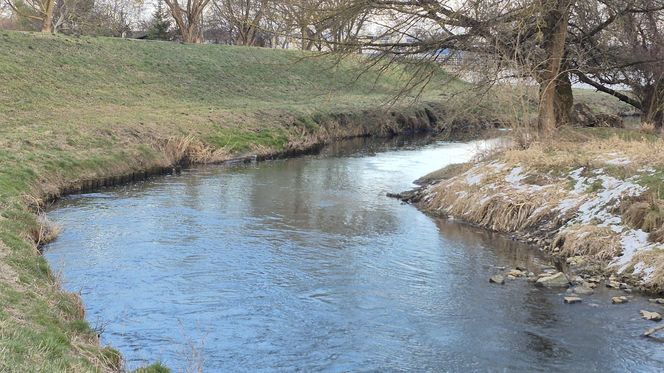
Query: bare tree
{"x": 188, "y": 18}
{"x": 622, "y": 47}
{"x": 532, "y": 33}
{"x": 245, "y": 17}
{"x": 538, "y": 40}
{"x": 37, "y": 10}
{"x": 302, "y": 16}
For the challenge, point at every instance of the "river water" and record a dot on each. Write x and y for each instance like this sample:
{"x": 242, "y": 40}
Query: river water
{"x": 305, "y": 265}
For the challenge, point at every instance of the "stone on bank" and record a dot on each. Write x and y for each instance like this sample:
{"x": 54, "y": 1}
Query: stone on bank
{"x": 556, "y": 280}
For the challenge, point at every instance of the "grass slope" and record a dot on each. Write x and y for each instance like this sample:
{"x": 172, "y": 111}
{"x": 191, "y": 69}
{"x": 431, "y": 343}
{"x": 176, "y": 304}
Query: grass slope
{"x": 84, "y": 108}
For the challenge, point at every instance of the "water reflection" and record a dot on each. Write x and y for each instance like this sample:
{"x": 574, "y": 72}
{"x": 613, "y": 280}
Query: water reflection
{"x": 305, "y": 265}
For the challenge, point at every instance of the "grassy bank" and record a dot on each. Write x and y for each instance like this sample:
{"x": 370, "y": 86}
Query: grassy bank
{"x": 76, "y": 112}
{"x": 593, "y": 197}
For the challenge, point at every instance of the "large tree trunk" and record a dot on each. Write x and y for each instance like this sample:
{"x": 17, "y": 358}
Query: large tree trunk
{"x": 191, "y": 34}
{"x": 653, "y": 105}
{"x": 555, "y": 90}
{"x": 564, "y": 99}
{"x": 47, "y": 25}
{"x": 188, "y": 21}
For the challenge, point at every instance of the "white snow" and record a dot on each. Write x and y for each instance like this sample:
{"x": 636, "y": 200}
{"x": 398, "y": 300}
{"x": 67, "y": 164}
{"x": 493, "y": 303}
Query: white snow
{"x": 618, "y": 160}
{"x": 497, "y": 166}
{"x": 473, "y": 178}
{"x": 632, "y": 242}
{"x": 515, "y": 176}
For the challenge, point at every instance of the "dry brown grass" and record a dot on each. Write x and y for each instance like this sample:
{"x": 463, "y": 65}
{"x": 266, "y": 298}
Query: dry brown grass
{"x": 648, "y": 128}
{"x": 45, "y": 232}
{"x": 598, "y": 242}
{"x": 654, "y": 260}
{"x": 189, "y": 149}
{"x": 657, "y": 235}
{"x": 646, "y": 213}
{"x": 565, "y": 152}
{"x": 523, "y": 138}
{"x": 500, "y": 209}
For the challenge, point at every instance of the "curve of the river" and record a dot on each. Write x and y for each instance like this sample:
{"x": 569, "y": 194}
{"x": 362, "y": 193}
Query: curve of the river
{"x": 305, "y": 265}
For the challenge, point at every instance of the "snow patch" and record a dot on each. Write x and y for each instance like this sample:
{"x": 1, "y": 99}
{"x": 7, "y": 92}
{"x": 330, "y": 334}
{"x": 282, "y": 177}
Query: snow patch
{"x": 617, "y": 160}
{"x": 644, "y": 270}
{"x": 633, "y": 241}
{"x": 515, "y": 176}
{"x": 497, "y": 166}
{"x": 474, "y": 176}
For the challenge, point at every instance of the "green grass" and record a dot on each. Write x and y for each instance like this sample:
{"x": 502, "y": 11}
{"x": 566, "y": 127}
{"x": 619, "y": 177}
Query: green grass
{"x": 654, "y": 182}
{"x": 603, "y": 103}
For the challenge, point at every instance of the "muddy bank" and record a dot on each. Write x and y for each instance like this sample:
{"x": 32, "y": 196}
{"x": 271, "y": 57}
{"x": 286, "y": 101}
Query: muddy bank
{"x": 597, "y": 218}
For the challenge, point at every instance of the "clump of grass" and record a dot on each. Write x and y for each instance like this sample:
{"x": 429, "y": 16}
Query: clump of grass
{"x": 648, "y": 128}
{"x": 654, "y": 261}
{"x": 657, "y": 235}
{"x": 188, "y": 149}
{"x": 594, "y": 187}
{"x": 646, "y": 213}
{"x": 507, "y": 211}
{"x": 154, "y": 368}
{"x": 45, "y": 231}
{"x": 588, "y": 240}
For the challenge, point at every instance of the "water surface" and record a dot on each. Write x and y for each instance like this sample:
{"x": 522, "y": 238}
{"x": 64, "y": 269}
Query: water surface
{"x": 305, "y": 265}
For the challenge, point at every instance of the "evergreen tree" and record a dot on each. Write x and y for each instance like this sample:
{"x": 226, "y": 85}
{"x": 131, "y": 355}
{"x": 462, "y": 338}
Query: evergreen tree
{"x": 160, "y": 25}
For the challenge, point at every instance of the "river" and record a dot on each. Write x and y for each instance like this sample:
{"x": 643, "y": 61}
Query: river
{"x": 305, "y": 265}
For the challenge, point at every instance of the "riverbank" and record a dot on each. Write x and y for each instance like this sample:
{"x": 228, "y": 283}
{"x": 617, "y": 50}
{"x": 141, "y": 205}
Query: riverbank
{"x": 82, "y": 113}
{"x": 592, "y": 198}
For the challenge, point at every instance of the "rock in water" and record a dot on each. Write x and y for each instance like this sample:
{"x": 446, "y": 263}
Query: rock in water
{"x": 613, "y": 284}
{"x": 583, "y": 290}
{"x": 656, "y": 300}
{"x": 652, "y": 316}
{"x": 572, "y": 300}
{"x": 515, "y": 273}
{"x": 619, "y": 300}
{"x": 497, "y": 279}
{"x": 594, "y": 280}
{"x": 556, "y": 280}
